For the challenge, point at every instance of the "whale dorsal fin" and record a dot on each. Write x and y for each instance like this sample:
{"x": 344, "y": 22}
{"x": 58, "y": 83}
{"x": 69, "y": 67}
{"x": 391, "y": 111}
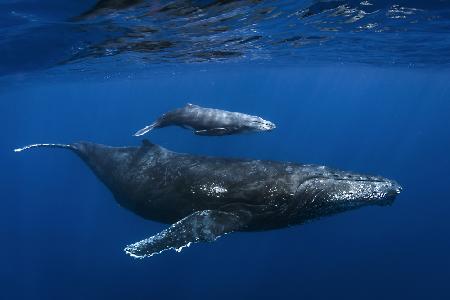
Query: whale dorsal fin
{"x": 149, "y": 146}
{"x": 201, "y": 226}
{"x": 191, "y": 105}
{"x": 146, "y": 143}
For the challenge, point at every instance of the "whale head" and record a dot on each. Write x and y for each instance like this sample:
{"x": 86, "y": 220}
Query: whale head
{"x": 334, "y": 191}
{"x": 259, "y": 124}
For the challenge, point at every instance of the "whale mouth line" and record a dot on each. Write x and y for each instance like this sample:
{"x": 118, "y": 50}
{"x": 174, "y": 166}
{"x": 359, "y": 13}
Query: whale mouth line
{"x": 355, "y": 190}
{"x": 398, "y": 187}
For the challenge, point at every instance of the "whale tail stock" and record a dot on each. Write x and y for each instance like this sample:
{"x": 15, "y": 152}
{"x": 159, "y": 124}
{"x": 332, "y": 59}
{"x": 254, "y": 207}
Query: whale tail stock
{"x": 147, "y": 129}
{"x": 65, "y": 146}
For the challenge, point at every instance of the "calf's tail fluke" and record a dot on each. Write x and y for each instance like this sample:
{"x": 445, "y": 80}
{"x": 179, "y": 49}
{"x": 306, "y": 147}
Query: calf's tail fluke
{"x": 66, "y": 146}
{"x": 146, "y": 129}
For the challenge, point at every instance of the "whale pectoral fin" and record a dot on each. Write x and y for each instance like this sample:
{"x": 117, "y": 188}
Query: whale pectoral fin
{"x": 214, "y": 131}
{"x": 201, "y": 226}
{"x": 147, "y": 128}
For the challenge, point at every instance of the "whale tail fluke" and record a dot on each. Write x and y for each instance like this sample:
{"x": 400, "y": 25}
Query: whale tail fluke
{"x": 146, "y": 129}
{"x": 65, "y": 146}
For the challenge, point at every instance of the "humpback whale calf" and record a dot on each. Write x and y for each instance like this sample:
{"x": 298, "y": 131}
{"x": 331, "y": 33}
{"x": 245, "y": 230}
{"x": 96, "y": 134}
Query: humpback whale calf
{"x": 205, "y": 197}
{"x": 209, "y": 121}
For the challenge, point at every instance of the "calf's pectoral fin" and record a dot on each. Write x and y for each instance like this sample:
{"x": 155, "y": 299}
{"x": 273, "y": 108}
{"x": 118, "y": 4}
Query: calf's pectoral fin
{"x": 214, "y": 131}
{"x": 147, "y": 128}
{"x": 201, "y": 226}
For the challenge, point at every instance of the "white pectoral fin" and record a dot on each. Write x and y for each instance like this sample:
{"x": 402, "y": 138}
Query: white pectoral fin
{"x": 146, "y": 129}
{"x": 201, "y": 226}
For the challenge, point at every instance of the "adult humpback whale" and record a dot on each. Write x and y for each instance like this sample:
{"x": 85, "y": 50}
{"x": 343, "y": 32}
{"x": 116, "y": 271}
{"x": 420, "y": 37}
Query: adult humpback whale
{"x": 206, "y": 197}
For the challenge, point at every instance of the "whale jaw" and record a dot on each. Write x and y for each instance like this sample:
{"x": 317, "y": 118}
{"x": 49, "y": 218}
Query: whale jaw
{"x": 324, "y": 196}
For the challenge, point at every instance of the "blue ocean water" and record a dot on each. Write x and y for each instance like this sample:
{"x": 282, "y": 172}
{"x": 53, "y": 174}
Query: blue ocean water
{"x": 355, "y": 85}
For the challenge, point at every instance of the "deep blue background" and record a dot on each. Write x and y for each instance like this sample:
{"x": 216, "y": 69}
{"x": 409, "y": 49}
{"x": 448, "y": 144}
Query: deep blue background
{"x": 63, "y": 233}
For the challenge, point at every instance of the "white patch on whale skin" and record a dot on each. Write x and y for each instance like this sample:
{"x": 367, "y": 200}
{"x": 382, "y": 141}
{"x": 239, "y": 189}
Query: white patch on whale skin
{"x": 218, "y": 189}
{"x": 179, "y": 249}
{"x": 212, "y": 190}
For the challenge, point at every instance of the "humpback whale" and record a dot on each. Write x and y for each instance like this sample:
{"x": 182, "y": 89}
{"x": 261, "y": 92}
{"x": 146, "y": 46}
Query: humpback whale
{"x": 209, "y": 121}
{"x": 205, "y": 197}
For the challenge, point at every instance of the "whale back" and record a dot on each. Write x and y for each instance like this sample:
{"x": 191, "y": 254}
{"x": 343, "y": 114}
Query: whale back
{"x": 122, "y": 169}
{"x": 166, "y": 186}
